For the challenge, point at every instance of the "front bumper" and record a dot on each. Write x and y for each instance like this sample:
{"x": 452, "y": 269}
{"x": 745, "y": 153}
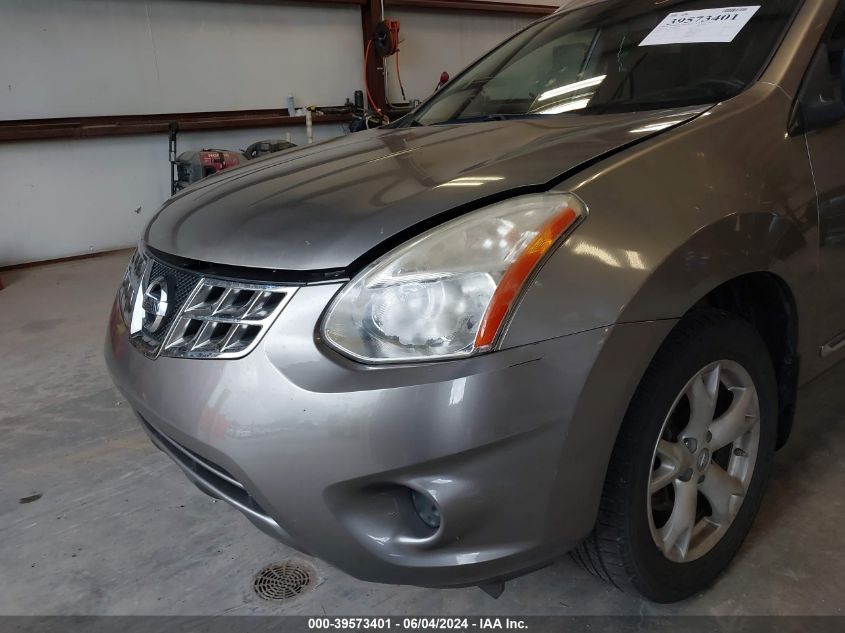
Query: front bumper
{"x": 322, "y": 452}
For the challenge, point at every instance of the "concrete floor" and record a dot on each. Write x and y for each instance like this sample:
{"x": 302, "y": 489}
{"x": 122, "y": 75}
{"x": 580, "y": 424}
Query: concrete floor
{"x": 119, "y": 530}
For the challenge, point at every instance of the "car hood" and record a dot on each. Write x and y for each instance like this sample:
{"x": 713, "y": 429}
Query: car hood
{"x": 324, "y": 206}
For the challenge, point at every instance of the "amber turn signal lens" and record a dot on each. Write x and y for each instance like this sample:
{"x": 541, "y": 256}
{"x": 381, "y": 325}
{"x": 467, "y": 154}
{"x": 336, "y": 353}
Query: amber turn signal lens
{"x": 518, "y": 273}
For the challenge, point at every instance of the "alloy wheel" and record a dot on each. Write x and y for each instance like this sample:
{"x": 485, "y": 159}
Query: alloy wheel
{"x": 703, "y": 461}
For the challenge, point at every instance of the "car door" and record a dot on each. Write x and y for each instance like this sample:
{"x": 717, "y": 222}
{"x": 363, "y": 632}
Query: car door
{"x": 821, "y": 107}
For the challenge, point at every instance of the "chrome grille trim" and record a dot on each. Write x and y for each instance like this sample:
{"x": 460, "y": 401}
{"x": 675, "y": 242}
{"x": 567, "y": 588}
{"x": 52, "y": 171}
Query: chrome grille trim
{"x": 208, "y": 318}
{"x": 224, "y": 319}
{"x": 132, "y": 280}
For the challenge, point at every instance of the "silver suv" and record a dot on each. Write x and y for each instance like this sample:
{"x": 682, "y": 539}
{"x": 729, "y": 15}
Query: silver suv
{"x": 560, "y": 306}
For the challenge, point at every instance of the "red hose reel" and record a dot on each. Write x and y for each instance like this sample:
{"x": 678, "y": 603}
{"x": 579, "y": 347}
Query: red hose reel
{"x": 386, "y": 37}
{"x": 385, "y": 41}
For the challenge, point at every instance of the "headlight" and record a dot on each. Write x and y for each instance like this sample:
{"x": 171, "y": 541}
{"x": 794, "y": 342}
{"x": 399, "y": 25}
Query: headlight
{"x": 447, "y": 293}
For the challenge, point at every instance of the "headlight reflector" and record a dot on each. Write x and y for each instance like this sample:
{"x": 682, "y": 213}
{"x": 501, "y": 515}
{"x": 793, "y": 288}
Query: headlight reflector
{"x": 447, "y": 293}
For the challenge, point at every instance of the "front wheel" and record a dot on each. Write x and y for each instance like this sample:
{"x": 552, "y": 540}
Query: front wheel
{"x": 691, "y": 461}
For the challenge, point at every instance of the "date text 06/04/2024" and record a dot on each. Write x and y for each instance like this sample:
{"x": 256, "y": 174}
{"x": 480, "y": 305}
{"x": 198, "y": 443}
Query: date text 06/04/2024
{"x": 417, "y": 623}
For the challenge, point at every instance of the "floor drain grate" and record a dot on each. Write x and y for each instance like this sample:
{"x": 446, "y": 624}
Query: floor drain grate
{"x": 284, "y": 581}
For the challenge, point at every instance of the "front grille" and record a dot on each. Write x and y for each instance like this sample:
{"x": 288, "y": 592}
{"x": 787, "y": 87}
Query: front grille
{"x": 222, "y": 319}
{"x": 182, "y": 314}
{"x": 214, "y": 477}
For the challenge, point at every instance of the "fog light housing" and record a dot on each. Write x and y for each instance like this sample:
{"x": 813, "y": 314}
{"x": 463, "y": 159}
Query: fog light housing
{"x": 426, "y": 509}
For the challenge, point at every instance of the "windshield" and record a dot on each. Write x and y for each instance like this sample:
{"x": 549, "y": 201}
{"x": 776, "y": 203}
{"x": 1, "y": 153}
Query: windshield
{"x": 617, "y": 56}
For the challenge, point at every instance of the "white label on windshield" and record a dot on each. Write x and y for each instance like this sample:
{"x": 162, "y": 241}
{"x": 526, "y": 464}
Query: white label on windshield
{"x": 699, "y": 27}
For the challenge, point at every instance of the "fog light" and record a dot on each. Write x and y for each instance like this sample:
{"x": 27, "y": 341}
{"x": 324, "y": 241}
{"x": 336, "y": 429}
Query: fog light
{"x": 426, "y": 509}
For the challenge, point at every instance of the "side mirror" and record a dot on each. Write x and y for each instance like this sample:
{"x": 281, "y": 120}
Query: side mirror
{"x": 817, "y": 115}
{"x": 820, "y": 101}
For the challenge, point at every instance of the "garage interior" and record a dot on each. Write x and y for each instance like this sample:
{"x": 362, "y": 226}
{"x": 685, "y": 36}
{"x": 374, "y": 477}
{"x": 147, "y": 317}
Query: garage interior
{"x": 93, "y": 515}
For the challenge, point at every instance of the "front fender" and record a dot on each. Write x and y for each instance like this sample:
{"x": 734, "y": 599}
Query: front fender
{"x": 733, "y": 246}
{"x": 674, "y": 217}
{"x": 637, "y": 305}
{"x": 590, "y": 283}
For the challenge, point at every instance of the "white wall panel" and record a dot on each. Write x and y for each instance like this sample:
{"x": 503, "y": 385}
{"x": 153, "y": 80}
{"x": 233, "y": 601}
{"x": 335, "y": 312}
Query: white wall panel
{"x": 60, "y": 198}
{"x": 61, "y": 58}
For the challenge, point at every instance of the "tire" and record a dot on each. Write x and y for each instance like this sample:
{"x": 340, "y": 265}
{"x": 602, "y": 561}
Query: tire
{"x": 630, "y": 546}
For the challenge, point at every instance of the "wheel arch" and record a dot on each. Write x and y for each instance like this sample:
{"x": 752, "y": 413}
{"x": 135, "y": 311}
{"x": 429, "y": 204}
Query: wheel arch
{"x": 742, "y": 264}
{"x": 751, "y": 264}
{"x": 766, "y": 301}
